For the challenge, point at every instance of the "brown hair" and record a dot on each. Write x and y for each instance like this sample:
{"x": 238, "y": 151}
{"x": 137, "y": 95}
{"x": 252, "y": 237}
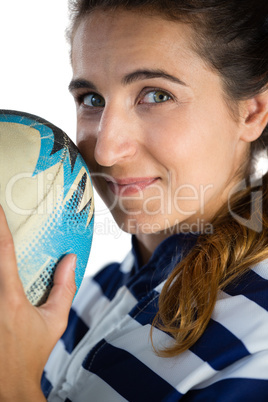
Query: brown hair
{"x": 233, "y": 39}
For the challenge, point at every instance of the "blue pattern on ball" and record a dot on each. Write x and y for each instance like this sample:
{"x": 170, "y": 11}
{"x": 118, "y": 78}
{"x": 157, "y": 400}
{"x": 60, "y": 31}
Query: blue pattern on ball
{"x": 69, "y": 228}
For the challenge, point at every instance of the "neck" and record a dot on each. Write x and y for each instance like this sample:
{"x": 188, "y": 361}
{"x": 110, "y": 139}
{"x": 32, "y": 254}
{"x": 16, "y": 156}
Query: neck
{"x": 148, "y": 243}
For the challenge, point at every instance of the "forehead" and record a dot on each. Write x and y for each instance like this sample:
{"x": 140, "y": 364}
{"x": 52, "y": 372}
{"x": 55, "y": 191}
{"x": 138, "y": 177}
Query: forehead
{"x": 105, "y": 41}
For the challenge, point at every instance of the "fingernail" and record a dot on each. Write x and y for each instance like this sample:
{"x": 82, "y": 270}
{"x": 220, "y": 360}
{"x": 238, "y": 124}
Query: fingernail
{"x": 73, "y": 262}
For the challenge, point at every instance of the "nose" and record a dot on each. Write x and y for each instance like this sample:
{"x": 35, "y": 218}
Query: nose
{"x": 116, "y": 140}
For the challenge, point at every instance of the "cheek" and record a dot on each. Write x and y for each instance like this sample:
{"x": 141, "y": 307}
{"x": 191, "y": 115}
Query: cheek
{"x": 86, "y": 144}
{"x": 194, "y": 151}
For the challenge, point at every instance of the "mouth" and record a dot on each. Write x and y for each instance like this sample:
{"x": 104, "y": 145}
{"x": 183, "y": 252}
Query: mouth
{"x": 129, "y": 186}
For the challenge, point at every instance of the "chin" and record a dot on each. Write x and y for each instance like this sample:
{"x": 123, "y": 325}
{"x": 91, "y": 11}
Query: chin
{"x": 142, "y": 223}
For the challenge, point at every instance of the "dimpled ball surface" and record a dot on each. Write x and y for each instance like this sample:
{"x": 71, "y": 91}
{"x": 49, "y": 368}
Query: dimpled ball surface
{"x": 47, "y": 196}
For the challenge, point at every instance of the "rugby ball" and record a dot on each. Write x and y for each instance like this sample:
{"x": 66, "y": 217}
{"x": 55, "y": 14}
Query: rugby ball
{"x": 47, "y": 196}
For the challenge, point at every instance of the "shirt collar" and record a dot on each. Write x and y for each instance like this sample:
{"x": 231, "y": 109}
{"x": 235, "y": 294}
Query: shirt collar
{"x": 168, "y": 253}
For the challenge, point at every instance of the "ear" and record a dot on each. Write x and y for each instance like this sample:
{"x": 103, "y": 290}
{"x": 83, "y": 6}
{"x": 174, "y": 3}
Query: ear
{"x": 254, "y": 117}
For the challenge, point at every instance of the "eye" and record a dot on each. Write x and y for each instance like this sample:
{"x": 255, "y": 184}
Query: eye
{"x": 93, "y": 100}
{"x": 156, "y": 97}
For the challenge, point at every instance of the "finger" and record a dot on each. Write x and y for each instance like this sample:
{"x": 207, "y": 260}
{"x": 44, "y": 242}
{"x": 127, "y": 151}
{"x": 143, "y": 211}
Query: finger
{"x": 62, "y": 293}
{"x": 8, "y": 264}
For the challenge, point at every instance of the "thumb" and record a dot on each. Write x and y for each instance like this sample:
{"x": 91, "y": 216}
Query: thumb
{"x": 59, "y": 302}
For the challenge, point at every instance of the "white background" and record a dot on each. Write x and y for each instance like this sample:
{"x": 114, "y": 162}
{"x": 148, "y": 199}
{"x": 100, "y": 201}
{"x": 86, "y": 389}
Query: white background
{"x": 35, "y": 73}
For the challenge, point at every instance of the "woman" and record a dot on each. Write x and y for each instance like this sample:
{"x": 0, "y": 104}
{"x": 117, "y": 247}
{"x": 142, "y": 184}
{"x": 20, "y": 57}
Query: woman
{"x": 172, "y": 113}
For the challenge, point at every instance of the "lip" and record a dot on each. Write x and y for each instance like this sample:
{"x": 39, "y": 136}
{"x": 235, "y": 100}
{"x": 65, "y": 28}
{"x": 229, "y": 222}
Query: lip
{"x": 130, "y": 185}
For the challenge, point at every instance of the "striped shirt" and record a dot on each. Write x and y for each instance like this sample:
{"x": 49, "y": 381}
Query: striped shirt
{"x": 106, "y": 354}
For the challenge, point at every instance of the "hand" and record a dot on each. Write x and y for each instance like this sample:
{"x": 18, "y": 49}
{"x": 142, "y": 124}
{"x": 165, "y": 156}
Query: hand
{"x": 27, "y": 333}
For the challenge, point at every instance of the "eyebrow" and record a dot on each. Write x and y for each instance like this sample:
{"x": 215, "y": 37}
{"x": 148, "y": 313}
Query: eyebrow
{"x": 150, "y": 74}
{"x": 81, "y": 83}
{"x": 128, "y": 79}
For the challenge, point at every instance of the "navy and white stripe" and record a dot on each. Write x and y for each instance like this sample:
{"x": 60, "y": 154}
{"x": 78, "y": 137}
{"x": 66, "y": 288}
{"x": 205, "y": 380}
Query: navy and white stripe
{"x": 106, "y": 352}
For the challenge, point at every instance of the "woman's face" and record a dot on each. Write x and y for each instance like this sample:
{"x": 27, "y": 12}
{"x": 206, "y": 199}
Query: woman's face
{"x": 152, "y": 122}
